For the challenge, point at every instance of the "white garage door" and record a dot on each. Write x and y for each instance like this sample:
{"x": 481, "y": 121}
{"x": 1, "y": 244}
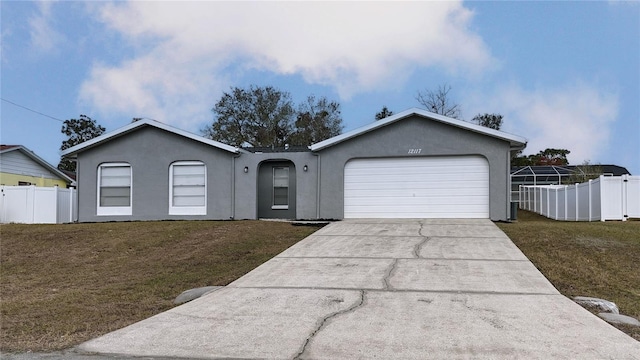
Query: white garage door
{"x": 417, "y": 187}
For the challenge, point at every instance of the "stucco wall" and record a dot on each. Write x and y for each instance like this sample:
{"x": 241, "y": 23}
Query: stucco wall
{"x": 401, "y": 139}
{"x": 150, "y": 152}
{"x": 246, "y": 191}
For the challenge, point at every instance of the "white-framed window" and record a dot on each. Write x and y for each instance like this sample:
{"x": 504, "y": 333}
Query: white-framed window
{"x": 188, "y": 188}
{"x": 280, "y": 188}
{"x": 114, "y": 189}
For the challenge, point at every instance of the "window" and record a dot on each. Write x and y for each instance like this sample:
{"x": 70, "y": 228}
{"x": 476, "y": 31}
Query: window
{"x": 114, "y": 189}
{"x": 280, "y": 188}
{"x": 188, "y": 188}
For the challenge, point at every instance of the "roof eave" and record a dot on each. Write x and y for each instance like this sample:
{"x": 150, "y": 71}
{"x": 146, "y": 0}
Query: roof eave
{"x": 516, "y": 142}
{"x": 74, "y": 150}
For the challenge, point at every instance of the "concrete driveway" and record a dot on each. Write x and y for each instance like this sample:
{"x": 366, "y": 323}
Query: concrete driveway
{"x": 401, "y": 289}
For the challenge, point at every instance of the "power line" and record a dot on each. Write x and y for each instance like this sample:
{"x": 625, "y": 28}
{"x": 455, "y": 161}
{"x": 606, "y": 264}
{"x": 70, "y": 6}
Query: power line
{"x": 37, "y": 112}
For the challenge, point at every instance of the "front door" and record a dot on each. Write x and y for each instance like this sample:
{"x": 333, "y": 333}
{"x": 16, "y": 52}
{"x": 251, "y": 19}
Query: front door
{"x": 277, "y": 190}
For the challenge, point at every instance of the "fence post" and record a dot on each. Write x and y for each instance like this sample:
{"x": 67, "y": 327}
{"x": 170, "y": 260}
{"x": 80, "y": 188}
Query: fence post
{"x": 520, "y": 196}
{"x": 57, "y": 188}
{"x": 602, "y": 197}
{"x": 555, "y": 192}
{"x": 3, "y": 215}
{"x": 590, "y": 201}
{"x": 70, "y": 205}
{"x": 548, "y": 201}
{"x": 539, "y": 203}
{"x": 577, "y": 201}
{"x": 566, "y": 203}
{"x": 625, "y": 197}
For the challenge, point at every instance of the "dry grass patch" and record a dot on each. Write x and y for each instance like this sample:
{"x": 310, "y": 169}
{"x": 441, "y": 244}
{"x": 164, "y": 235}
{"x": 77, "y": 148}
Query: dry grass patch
{"x": 65, "y": 284}
{"x": 597, "y": 259}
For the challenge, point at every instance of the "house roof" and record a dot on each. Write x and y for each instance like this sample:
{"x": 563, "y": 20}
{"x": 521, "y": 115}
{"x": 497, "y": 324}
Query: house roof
{"x": 8, "y": 148}
{"x": 517, "y": 142}
{"x": 74, "y": 150}
{"x": 280, "y": 149}
{"x": 555, "y": 170}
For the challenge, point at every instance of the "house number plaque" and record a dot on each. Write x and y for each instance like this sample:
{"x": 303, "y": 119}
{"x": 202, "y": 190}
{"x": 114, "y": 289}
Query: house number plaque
{"x": 414, "y": 151}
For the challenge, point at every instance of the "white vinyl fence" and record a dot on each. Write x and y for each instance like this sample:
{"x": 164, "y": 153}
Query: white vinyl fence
{"x": 37, "y": 205}
{"x": 605, "y": 198}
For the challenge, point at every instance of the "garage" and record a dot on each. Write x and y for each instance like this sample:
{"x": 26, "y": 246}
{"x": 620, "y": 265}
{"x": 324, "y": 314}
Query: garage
{"x": 417, "y": 187}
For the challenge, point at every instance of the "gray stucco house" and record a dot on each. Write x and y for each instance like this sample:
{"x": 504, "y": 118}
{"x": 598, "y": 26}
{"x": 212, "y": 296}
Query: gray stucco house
{"x": 414, "y": 164}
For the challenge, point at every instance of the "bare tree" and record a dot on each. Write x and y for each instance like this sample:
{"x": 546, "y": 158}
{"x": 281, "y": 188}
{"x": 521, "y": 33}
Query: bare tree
{"x": 438, "y": 101}
{"x": 583, "y": 173}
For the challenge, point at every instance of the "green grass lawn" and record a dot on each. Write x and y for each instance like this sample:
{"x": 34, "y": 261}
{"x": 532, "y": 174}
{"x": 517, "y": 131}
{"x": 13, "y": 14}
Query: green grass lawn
{"x": 596, "y": 259}
{"x": 61, "y": 285}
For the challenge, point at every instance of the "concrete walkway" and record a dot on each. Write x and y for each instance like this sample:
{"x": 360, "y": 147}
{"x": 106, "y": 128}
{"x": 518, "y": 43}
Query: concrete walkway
{"x": 401, "y": 289}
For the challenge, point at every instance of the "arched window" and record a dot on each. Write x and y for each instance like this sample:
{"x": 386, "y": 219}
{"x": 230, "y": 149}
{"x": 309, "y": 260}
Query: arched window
{"x": 188, "y": 188}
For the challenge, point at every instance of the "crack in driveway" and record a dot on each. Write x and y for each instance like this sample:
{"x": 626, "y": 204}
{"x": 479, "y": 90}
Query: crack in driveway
{"x": 389, "y": 274}
{"x": 324, "y": 321}
{"x": 418, "y": 247}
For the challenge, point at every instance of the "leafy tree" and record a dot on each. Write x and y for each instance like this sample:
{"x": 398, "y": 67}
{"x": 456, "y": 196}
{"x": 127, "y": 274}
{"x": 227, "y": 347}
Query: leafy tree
{"x": 552, "y": 157}
{"x": 258, "y": 116}
{"x": 385, "y": 112}
{"x": 438, "y": 101}
{"x": 517, "y": 159}
{"x": 317, "y": 120}
{"x": 78, "y": 131}
{"x": 492, "y": 121}
{"x": 544, "y": 157}
{"x": 265, "y": 117}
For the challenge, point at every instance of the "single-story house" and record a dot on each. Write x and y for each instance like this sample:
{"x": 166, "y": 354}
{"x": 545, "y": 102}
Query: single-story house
{"x": 20, "y": 166}
{"x": 414, "y": 164}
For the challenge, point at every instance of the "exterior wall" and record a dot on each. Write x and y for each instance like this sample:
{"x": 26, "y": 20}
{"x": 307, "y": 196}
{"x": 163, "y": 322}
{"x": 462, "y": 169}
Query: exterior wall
{"x": 246, "y": 189}
{"x": 14, "y": 180}
{"x": 413, "y": 137}
{"x": 150, "y": 152}
{"x": 16, "y": 166}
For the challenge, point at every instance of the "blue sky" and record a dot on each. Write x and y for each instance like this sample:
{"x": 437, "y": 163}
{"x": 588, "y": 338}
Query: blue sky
{"x": 564, "y": 74}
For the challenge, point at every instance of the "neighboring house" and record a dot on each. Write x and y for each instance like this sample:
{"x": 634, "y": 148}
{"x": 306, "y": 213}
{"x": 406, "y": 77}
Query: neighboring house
{"x": 21, "y": 166}
{"x": 414, "y": 164}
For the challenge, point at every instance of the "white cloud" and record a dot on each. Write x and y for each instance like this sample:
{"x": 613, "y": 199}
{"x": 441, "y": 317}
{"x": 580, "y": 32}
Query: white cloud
{"x": 184, "y": 48}
{"x": 43, "y": 36}
{"x": 577, "y": 117}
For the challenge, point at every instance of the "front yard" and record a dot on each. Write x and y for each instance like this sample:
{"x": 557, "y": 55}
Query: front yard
{"x": 595, "y": 259}
{"x": 61, "y": 285}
